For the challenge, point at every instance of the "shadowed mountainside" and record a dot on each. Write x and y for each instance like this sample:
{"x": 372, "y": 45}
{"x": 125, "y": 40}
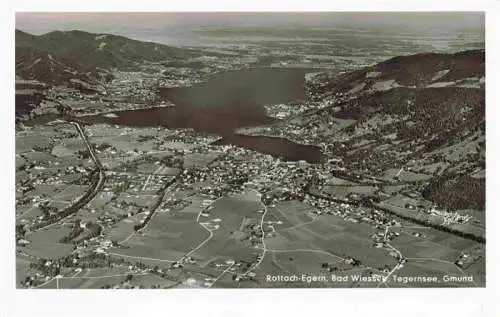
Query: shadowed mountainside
{"x": 415, "y": 71}
{"x": 79, "y": 58}
{"x": 99, "y": 50}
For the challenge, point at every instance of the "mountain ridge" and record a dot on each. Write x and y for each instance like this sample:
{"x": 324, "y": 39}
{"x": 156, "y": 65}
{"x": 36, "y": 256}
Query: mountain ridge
{"x": 87, "y": 57}
{"x": 118, "y": 51}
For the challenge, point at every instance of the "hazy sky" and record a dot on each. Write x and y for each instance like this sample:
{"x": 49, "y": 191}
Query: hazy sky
{"x": 50, "y": 21}
{"x": 176, "y": 28}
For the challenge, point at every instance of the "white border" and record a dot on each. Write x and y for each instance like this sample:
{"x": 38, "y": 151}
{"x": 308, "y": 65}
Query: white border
{"x": 268, "y": 5}
{"x": 366, "y": 302}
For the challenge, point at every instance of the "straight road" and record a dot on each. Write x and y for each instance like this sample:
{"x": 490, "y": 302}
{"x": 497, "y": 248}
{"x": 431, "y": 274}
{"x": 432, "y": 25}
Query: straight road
{"x": 93, "y": 190}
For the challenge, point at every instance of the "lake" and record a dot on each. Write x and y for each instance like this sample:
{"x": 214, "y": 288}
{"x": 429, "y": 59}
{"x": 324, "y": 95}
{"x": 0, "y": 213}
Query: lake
{"x": 226, "y": 102}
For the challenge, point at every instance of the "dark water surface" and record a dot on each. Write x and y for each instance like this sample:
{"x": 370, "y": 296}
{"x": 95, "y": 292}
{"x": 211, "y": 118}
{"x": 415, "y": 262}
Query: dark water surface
{"x": 257, "y": 86}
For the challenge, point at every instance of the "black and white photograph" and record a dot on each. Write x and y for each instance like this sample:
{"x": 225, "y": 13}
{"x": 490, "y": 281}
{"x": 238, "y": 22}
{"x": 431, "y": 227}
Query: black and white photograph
{"x": 229, "y": 150}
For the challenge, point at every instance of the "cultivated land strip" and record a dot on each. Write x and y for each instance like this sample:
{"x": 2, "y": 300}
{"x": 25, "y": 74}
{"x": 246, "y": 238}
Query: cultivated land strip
{"x": 93, "y": 190}
{"x": 264, "y": 250}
